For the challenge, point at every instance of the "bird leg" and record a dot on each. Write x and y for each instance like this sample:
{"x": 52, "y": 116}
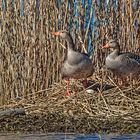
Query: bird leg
{"x": 123, "y": 81}
{"x": 85, "y": 83}
{"x": 68, "y": 93}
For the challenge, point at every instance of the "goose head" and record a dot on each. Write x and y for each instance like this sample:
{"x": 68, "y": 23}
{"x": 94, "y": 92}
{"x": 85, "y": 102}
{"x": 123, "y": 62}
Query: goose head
{"x": 63, "y": 34}
{"x": 113, "y": 44}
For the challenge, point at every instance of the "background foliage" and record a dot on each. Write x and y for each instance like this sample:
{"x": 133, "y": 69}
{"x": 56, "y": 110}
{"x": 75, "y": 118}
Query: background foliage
{"x": 30, "y": 57}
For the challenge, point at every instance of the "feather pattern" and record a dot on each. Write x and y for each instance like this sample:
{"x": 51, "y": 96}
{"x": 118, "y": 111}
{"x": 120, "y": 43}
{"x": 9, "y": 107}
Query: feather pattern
{"x": 123, "y": 63}
{"x": 76, "y": 65}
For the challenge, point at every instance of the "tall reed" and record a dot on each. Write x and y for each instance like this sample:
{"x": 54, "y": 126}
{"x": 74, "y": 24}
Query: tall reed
{"x": 30, "y": 56}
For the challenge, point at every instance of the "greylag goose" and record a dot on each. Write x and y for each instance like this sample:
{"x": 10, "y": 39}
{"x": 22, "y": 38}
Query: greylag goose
{"x": 76, "y": 65}
{"x": 122, "y": 63}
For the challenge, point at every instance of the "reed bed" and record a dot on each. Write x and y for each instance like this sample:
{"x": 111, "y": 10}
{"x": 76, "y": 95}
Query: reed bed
{"x": 30, "y": 59}
{"x": 106, "y": 111}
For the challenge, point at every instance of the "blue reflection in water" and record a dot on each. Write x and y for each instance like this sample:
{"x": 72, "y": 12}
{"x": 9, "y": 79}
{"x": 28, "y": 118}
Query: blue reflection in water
{"x": 96, "y": 137}
{"x": 107, "y": 137}
{"x": 87, "y": 138}
{"x": 59, "y": 136}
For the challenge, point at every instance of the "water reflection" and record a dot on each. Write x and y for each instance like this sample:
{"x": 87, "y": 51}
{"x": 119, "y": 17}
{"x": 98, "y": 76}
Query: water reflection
{"x": 67, "y": 137}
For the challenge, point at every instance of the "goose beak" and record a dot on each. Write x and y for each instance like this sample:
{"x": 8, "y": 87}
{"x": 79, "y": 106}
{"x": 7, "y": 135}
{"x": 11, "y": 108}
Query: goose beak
{"x": 55, "y": 33}
{"x": 106, "y": 46}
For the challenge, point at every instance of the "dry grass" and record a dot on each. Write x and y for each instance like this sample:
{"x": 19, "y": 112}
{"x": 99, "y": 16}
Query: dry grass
{"x": 114, "y": 110}
{"x": 29, "y": 68}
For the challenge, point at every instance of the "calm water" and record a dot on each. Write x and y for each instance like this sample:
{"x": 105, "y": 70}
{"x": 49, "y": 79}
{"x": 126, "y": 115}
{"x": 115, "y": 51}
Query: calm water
{"x": 67, "y": 137}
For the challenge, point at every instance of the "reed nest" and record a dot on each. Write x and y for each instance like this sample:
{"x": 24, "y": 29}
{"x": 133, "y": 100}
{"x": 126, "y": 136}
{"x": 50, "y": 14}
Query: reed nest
{"x": 108, "y": 109}
{"x": 30, "y": 60}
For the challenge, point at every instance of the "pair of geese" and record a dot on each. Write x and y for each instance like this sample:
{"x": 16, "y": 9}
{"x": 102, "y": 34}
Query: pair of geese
{"x": 78, "y": 65}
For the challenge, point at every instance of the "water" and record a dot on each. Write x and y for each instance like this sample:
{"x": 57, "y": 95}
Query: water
{"x": 67, "y": 137}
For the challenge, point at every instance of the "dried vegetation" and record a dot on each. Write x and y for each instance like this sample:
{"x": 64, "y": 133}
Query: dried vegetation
{"x": 29, "y": 69}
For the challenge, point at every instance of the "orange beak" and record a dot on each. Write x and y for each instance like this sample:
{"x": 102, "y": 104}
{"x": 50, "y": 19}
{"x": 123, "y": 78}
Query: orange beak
{"x": 106, "y": 46}
{"x": 55, "y": 33}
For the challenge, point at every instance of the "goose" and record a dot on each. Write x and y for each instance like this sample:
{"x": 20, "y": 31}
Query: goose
{"x": 76, "y": 65}
{"x": 122, "y": 63}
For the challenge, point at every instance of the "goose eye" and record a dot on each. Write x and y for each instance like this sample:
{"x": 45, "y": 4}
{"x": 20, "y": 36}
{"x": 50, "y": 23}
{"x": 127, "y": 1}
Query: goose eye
{"x": 112, "y": 42}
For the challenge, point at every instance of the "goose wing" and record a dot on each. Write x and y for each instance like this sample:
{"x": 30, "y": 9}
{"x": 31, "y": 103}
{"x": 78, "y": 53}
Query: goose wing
{"x": 132, "y": 57}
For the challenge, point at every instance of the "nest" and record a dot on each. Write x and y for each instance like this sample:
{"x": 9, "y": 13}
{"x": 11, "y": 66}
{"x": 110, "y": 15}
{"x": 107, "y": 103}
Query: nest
{"x": 110, "y": 109}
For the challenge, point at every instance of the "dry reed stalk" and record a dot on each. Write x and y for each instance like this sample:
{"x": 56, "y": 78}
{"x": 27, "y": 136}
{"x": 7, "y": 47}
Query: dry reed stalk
{"x": 57, "y": 108}
{"x": 31, "y": 57}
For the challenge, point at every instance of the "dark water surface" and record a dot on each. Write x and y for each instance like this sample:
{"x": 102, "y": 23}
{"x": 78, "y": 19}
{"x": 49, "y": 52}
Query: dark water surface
{"x": 67, "y": 137}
